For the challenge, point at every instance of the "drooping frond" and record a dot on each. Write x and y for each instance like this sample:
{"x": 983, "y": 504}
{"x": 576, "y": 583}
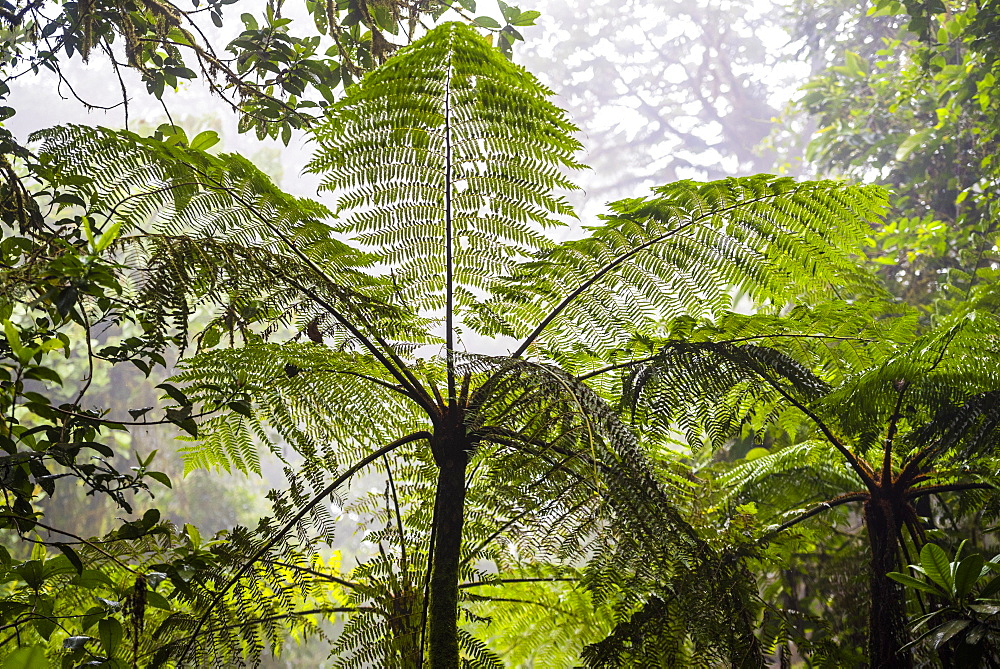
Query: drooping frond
{"x": 588, "y": 475}
{"x": 324, "y": 404}
{"x": 684, "y": 251}
{"x": 709, "y": 390}
{"x": 793, "y": 477}
{"x": 445, "y": 160}
{"x": 531, "y": 619}
{"x": 192, "y": 229}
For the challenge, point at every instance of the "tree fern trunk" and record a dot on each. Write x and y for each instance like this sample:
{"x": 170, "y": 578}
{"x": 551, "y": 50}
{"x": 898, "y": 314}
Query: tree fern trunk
{"x": 887, "y": 619}
{"x": 451, "y": 457}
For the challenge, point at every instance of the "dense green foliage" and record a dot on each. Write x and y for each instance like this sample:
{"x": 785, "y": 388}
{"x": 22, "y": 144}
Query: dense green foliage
{"x": 695, "y": 391}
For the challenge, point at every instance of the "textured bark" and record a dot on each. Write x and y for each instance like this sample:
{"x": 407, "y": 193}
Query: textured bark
{"x": 451, "y": 455}
{"x": 887, "y": 619}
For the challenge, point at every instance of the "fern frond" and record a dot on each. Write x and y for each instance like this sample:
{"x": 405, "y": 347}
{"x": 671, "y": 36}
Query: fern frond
{"x": 448, "y": 150}
{"x": 684, "y": 251}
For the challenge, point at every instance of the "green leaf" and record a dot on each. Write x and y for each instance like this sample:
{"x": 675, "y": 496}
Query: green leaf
{"x": 110, "y": 235}
{"x": 205, "y": 140}
{"x": 937, "y": 567}
{"x": 156, "y": 600}
{"x": 946, "y": 631}
{"x": 241, "y": 407}
{"x": 487, "y": 22}
{"x": 161, "y": 477}
{"x": 967, "y": 574}
{"x": 22, "y": 353}
{"x": 991, "y": 588}
{"x": 175, "y": 394}
{"x": 526, "y": 18}
{"x": 914, "y": 583}
{"x": 111, "y": 633}
{"x": 39, "y": 373}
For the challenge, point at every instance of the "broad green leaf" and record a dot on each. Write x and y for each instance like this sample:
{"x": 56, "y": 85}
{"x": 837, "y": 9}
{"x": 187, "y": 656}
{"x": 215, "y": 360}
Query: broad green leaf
{"x": 487, "y": 22}
{"x": 991, "y": 588}
{"x": 111, "y": 633}
{"x": 21, "y": 352}
{"x": 526, "y": 18}
{"x": 109, "y": 235}
{"x": 967, "y": 574}
{"x": 946, "y": 631}
{"x": 937, "y": 566}
{"x": 915, "y": 583}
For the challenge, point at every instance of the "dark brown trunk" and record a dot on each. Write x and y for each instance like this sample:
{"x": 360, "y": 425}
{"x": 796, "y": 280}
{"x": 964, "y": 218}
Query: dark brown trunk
{"x": 887, "y": 619}
{"x": 451, "y": 455}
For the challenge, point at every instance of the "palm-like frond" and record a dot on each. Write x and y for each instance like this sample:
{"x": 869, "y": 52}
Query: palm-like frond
{"x": 445, "y": 160}
{"x": 201, "y": 229}
{"x": 684, "y": 251}
{"x": 327, "y": 405}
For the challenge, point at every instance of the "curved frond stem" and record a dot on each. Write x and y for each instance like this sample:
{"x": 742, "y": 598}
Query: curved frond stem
{"x": 545, "y": 605}
{"x": 911, "y": 470}
{"x": 650, "y": 358}
{"x": 502, "y": 581}
{"x": 816, "y": 510}
{"x": 948, "y": 487}
{"x": 108, "y": 421}
{"x": 860, "y": 467}
{"x": 510, "y": 521}
{"x": 84, "y": 542}
{"x": 398, "y": 368}
{"x": 313, "y": 572}
{"x": 319, "y": 497}
{"x": 279, "y": 617}
{"x": 520, "y": 444}
{"x": 154, "y": 191}
{"x": 396, "y": 389}
{"x": 385, "y": 355}
{"x": 612, "y": 264}
{"x": 399, "y": 518}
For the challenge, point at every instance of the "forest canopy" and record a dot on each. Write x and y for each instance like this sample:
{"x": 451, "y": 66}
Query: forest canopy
{"x": 734, "y": 419}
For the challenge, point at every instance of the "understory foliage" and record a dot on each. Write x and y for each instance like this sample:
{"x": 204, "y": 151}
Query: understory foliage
{"x": 517, "y": 469}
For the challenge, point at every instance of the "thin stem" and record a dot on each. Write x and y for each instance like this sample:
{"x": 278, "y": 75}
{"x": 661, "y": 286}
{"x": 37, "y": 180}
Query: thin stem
{"x": 650, "y": 358}
{"x": 502, "y": 581}
{"x": 399, "y": 521}
{"x": 819, "y": 508}
{"x": 107, "y": 421}
{"x": 90, "y": 356}
{"x": 950, "y": 487}
{"x": 80, "y": 539}
{"x": 891, "y": 434}
{"x": 323, "y": 494}
{"x": 318, "y": 574}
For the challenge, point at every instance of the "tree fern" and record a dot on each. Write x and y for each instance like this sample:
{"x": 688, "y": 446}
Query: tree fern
{"x": 908, "y": 416}
{"x": 444, "y": 164}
